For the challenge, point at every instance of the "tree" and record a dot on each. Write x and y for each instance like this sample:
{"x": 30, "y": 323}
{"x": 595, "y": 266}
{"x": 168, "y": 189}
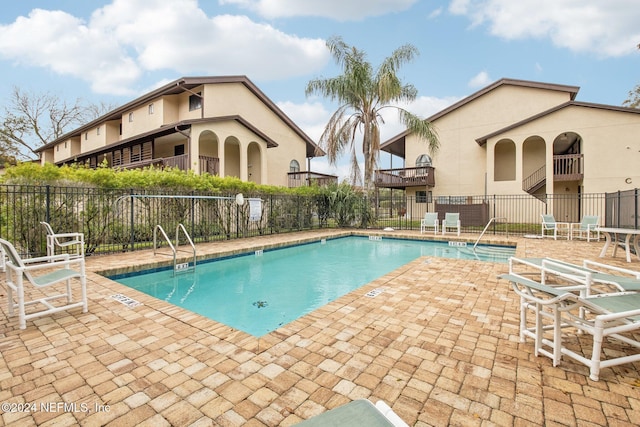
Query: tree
{"x": 633, "y": 101}
{"x": 362, "y": 94}
{"x": 32, "y": 120}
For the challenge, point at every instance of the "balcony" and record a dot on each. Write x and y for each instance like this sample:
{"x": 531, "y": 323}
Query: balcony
{"x": 566, "y": 167}
{"x": 300, "y": 179}
{"x": 210, "y": 165}
{"x": 405, "y": 177}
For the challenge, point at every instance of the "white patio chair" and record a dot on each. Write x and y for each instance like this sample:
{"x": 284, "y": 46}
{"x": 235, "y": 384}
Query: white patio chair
{"x": 71, "y": 243}
{"x": 55, "y": 269}
{"x": 549, "y": 223}
{"x": 586, "y": 228}
{"x": 613, "y": 315}
{"x": 451, "y": 220}
{"x": 430, "y": 220}
{"x": 359, "y": 412}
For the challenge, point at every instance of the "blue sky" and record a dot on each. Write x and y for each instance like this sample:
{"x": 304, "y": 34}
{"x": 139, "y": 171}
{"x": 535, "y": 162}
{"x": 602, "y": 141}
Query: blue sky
{"x": 111, "y": 51}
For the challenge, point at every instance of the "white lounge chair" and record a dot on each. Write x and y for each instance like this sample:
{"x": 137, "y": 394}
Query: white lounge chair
{"x": 615, "y": 315}
{"x": 587, "y": 228}
{"x": 451, "y": 220}
{"x": 430, "y": 220}
{"x": 55, "y": 269}
{"x": 590, "y": 273}
{"x": 549, "y": 224}
{"x": 359, "y": 412}
{"x": 71, "y": 243}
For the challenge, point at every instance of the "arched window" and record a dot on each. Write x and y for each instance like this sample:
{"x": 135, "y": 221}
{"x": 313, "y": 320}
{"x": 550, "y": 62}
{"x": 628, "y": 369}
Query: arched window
{"x": 423, "y": 160}
{"x": 294, "y": 166}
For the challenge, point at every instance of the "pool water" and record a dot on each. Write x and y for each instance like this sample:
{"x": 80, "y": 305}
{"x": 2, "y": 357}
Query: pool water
{"x": 259, "y": 292}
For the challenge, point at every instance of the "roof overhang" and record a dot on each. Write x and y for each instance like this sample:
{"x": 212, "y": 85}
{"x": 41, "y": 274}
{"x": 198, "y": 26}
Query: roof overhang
{"x": 483, "y": 139}
{"x": 186, "y": 84}
{"x": 395, "y": 142}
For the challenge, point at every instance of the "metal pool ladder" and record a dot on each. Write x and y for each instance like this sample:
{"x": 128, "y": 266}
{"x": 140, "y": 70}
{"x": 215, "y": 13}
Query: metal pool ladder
{"x": 174, "y": 249}
{"x": 485, "y": 229}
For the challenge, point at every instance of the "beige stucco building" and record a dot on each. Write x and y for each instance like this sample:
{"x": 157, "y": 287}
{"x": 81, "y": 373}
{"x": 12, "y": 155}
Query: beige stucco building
{"x": 518, "y": 137}
{"x": 223, "y": 126}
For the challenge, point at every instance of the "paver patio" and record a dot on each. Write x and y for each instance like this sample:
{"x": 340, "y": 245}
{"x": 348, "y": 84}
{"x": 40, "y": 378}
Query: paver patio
{"x": 440, "y": 345}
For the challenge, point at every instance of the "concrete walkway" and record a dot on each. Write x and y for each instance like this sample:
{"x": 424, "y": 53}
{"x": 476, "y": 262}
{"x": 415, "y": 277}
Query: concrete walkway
{"x": 440, "y": 346}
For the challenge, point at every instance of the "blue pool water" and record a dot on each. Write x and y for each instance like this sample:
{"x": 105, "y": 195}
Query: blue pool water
{"x": 259, "y": 293}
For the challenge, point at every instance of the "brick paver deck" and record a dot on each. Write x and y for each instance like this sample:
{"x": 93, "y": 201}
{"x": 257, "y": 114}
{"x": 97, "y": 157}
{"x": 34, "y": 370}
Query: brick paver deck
{"x": 440, "y": 345}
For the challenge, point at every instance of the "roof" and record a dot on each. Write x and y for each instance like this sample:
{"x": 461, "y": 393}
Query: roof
{"x": 395, "y": 145}
{"x": 185, "y": 84}
{"x": 483, "y": 140}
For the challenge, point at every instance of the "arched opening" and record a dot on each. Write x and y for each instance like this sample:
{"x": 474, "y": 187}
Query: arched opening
{"x": 567, "y": 157}
{"x": 504, "y": 166}
{"x": 533, "y": 165}
{"x": 209, "y": 153}
{"x": 232, "y": 157}
{"x": 254, "y": 163}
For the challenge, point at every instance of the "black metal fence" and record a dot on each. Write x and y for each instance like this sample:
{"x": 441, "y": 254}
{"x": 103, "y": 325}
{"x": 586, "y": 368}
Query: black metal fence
{"x": 121, "y": 221}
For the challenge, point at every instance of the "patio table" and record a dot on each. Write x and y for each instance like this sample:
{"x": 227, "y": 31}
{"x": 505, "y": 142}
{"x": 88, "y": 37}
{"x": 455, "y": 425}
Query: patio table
{"x": 629, "y": 233}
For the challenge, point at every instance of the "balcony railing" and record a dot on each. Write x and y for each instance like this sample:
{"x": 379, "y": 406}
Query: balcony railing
{"x": 568, "y": 167}
{"x": 207, "y": 164}
{"x": 300, "y": 179}
{"x": 405, "y": 177}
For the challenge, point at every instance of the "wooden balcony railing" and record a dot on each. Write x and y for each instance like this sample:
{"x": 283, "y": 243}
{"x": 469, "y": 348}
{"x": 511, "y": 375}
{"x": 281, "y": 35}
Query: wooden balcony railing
{"x": 405, "y": 177}
{"x": 207, "y": 164}
{"x": 210, "y": 165}
{"x": 300, "y": 179}
{"x": 566, "y": 167}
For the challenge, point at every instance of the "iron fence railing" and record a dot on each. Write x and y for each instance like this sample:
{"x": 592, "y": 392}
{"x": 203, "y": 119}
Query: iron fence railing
{"x": 121, "y": 221}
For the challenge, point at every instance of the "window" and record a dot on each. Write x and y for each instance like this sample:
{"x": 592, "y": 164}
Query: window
{"x": 150, "y": 108}
{"x": 452, "y": 200}
{"x": 195, "y": 101}
{"x": 178, "y": 150}
{"x": 65, "y": 144}
{"x": 98, "y": 130}
{"x": 86, "y": 136}
{"x": 294, "y": 166}
{"x": 130, "y": 117}
{"x": 423, "y": 196}
{"x": 423, "y": 160}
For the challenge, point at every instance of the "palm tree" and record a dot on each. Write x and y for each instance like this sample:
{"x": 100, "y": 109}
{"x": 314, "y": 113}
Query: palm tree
{"x": 362, "y": 95}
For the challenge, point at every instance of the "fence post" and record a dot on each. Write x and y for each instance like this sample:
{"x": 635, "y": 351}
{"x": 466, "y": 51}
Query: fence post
{"x": 48, "y": 203}
{"x": 635, "y": 209}
{"x": 193, "y": 218}
{"x": 132, "y": 237}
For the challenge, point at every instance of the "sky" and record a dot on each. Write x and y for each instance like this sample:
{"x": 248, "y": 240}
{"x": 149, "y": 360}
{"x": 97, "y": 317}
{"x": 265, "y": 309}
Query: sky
{"x": 112, "y": 51}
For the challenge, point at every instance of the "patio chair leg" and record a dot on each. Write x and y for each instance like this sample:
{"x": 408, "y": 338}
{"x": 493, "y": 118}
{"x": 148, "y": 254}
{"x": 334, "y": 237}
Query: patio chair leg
{"x": 598, "y": 337}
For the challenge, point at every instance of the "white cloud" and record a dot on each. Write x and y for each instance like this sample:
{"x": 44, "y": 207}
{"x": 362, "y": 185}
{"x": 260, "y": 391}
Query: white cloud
{"x": 437, "y": 12}
{"x": 480, "y": 80}
{"x": 66, "y": 45}
{"x": 127, "y": 38}
{"x": 339, "y": 10}
{"x": 608, "y": 29}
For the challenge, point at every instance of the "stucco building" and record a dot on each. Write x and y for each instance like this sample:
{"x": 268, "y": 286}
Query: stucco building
{"x": 224, "y": 126}
{"x": 517, "y": 137}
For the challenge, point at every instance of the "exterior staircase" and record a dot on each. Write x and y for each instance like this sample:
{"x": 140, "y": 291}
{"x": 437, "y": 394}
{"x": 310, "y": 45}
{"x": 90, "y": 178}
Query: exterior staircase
{"x": 566, "y": 167}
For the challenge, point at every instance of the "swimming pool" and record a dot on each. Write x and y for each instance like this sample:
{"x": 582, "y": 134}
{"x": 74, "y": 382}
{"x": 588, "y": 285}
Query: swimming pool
{"x": 260, "y": 291}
